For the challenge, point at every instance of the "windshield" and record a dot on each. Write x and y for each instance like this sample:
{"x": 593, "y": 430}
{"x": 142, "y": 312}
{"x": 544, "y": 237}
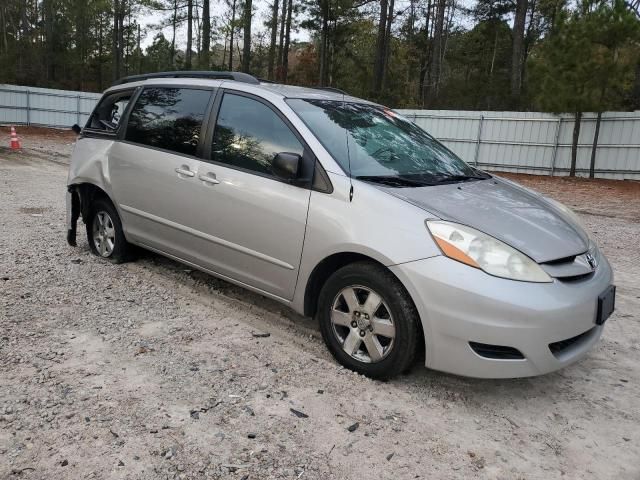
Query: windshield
{"x": 376, "y": 144}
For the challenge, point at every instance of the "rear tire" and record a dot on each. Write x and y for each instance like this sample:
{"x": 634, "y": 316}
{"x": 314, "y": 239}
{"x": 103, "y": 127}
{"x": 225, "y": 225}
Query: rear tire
{"x": 104, "y": 233}
{"x": 368, "y": 320}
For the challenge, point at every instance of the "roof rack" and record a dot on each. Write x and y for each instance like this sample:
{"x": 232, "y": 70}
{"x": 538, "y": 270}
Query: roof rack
{"x": 236, "y": 76}
{"x": 331, "y": 89}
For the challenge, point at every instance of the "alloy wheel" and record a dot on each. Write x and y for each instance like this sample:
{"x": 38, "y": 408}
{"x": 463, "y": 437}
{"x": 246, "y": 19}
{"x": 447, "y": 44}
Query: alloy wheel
{"x": 363, "y": 324}
{"x": 104, "y": 234}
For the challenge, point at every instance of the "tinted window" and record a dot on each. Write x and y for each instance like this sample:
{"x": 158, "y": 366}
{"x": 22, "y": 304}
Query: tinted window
{"x": 107, "y": 114}
{"x": 168, "y": 118}
{"x": 249, "y": 134}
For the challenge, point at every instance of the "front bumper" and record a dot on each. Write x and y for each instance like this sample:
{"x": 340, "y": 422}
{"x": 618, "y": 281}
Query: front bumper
{"x": 459, "y": 304}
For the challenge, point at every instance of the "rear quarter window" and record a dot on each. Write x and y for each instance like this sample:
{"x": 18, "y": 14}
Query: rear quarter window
{"x": 108, "y": 113}
{"x": 168, "y": 118}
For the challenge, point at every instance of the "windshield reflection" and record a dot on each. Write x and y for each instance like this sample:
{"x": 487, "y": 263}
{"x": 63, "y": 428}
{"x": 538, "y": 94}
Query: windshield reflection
{"x": 376, "y": 144}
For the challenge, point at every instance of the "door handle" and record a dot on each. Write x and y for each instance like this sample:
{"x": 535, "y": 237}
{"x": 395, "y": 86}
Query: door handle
{"x": 185, "y": 171}
{"x": 209, "y": 178}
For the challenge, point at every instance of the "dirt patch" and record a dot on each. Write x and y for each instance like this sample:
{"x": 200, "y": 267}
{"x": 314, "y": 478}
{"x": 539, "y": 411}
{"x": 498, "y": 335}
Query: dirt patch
{"x": 608, "y": 198}
{"x": 30, "y": 131}
{"x": 42, "y": 140}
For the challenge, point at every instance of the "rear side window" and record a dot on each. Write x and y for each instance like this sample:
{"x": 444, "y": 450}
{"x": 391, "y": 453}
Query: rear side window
{"x": 168, "y": 118}
{"x": 106, "y": 116}
{"x": 248, "y": 134}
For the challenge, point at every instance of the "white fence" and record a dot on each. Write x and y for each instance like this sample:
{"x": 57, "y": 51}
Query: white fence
{"x": 528, "y": 142}
{"x": 538, "y": 143}
{"x": 44, "y": 106}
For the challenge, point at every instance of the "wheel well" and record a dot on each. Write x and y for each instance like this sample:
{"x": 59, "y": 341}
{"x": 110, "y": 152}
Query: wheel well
{"x": 322, "y": 272}
{"x": 87, "y": 193}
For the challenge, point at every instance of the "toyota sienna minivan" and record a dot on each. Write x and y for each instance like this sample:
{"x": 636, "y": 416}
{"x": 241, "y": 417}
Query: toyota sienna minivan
{"x": 345, "y": 211}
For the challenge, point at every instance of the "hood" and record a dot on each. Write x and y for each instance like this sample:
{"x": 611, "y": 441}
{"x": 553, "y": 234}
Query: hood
{"x": 500, "y": 208}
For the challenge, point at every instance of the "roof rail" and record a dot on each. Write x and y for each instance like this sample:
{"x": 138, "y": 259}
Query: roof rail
{"x": 331, "y": 89}
{"x": 236, "y": 76}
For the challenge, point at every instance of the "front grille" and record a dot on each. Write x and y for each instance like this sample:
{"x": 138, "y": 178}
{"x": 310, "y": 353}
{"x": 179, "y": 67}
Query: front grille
{"x": 496, "y": 352}
{"x": 559, "y": 261}
{"x": 576, "y": 278}
{"x": 575, "y": 268}
{"x": 558, "y": 348}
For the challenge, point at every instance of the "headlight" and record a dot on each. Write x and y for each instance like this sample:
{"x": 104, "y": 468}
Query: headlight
{"x": 479, "y": 250}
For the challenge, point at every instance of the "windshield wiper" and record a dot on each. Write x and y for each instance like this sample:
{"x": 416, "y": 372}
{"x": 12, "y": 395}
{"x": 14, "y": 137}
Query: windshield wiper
{"x": 393, "y": 181}
{"x": 459, "y": 178}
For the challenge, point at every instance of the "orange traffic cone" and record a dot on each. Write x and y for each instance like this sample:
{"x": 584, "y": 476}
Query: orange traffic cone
{"x": 15, "y": 142}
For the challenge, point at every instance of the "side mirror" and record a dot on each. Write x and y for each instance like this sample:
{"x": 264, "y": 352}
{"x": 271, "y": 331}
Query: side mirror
{"x": 285, "y": 165}
{"x": 76, "y": 128}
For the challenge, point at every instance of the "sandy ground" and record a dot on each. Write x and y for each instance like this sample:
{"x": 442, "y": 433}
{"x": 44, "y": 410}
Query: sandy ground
{"x": 150, "y": 370}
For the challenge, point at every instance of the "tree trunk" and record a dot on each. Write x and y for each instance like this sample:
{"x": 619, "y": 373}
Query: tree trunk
{"x": 246, "y": 47}
{"x": 287, "y": 41}
{"x": 387, "y": 44}
{"x": 233, "y": 26}
{"x": 174, "y": 25}
{"x": 529, "y": 39}
{"x": 635, "y": 93}
{"x": 116, "y": 37}
{"x": 493, "y": 62}
{"x": 126, "y": 45}
{"x": 426, "y": 59}
{"x": 594, "y": 148}
{"x": 80, "y": 43}
{"x": 331, "y": 50}
{"x": 435, "y": 69}
{"x": 121, "y": 33}
{"x": 48, "y": 35}
{"x": 412, "y": 17}
{"x": 139, "y": 54}
{"x": 378, "y": 65}
{"x": 324, "y": 42}
{"x": 100, "y": 53}
{"x": 274, "y": 37}
{"x": 517, "y": 51}
{"x": 3, "y": 22}
{"x": 447, "y": 30}
{"x": 574, "y": 144}
{"x": 206, "y": 35}
{"x": 224, "y": 51}
{"x": 187, "y": 57}
{"x": 283, "y": 23}
{"x": 198, "y": 32}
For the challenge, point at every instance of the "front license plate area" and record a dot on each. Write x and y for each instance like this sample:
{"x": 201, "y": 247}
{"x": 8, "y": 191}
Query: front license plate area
{"x": 606, "y": 304}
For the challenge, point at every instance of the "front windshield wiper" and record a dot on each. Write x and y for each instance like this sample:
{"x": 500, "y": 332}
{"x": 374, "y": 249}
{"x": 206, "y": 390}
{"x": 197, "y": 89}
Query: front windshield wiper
{"x": 459, "y": 178}
{"x": 393, "y": 181}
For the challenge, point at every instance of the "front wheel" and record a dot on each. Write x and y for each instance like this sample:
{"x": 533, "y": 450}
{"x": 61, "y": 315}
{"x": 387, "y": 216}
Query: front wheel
{"x": 368, "y": 320}
{"x": 104, "y": 233}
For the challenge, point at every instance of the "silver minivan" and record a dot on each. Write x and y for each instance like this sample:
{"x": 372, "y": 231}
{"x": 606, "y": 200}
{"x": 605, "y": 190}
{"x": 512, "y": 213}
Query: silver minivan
{"x": 345, "y": 211}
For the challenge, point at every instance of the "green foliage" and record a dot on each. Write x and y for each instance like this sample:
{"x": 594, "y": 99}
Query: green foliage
{"x": 587, "y": 61}
{"x": 158, "y": 55}
{"x": 481, "y": 76}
